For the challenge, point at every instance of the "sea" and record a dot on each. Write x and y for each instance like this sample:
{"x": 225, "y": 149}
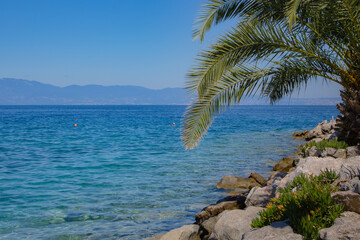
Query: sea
{"x": 122, "y": 172}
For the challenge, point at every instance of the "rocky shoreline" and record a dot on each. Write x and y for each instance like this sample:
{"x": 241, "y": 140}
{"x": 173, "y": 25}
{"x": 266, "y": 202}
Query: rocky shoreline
{"x": 230, "y": 218}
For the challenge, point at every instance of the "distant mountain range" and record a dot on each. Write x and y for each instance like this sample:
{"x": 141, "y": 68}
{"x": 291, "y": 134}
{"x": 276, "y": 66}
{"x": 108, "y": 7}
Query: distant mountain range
{"x": 25, "y": 92}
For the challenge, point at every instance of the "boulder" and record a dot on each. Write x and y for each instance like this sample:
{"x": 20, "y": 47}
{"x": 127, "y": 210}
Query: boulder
{"x": 207, "y": 227}
{"x": 260, "y": 197}
{"x": 353, "y": 151}
{"x": 230, "y": 182}
{"x": 233, "y": 224}
{"x": 349, "y": 199}
{"x": 240, "y": 197}
{"x": 276, "y": 231}
{"x": 276, "y": 177}
{"x": 323, "y": 130}
{"x": 328, "y": 152}
{"x": 356, "y": 187}
{"x": 313, "y": 152}
{"x": 213, "y": 210}
{"x": 350, "y": 168}
{"x": 187, "y": 232}
{"x": 157, "y": 236}
{"x": 350, "y": 185}
{"x": 318, "y": 139}
{"x": 258, "y": 178}
{"x": 346, "y": 227}
{"x": 284, "y": 164}
{"x": 315, "y": 133}
{"x": 327, "y": 127}
{"x": 300, "y": 135}
{"x": 340, "y": 153}
{"x": 314, "y": 166}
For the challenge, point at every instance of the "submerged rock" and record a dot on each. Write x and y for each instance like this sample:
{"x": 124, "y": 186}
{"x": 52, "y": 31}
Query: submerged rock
{"x": 276, "y": 231}
{"x": 233, "y": 224}
{"x": 230, "y": 182}
{"x": 346, "y": 227}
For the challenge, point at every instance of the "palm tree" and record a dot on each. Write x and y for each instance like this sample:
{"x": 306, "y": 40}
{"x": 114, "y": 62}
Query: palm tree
{"x": 296, "y": 41}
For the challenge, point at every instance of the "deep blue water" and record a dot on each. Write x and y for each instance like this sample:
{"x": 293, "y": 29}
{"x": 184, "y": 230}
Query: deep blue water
{"x": 123, "y": 173}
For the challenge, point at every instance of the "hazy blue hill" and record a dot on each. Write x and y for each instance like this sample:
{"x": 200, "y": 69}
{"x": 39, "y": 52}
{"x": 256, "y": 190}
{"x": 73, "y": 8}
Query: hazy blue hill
{"x": 24, "y": 92}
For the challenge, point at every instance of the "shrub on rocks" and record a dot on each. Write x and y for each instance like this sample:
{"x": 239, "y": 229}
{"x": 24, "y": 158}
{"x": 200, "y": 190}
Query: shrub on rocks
{"x": 306, "y": 202}
{"x": 322, "y": 145}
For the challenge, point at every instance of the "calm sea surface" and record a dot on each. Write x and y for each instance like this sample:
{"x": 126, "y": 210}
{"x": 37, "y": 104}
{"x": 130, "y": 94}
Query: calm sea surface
{"x": 123, "y": 173}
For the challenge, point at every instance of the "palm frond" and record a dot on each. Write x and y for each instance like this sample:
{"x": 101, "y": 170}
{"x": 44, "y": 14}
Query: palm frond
{"x": 234, "y": 85}
{"x": 216, "y": 11}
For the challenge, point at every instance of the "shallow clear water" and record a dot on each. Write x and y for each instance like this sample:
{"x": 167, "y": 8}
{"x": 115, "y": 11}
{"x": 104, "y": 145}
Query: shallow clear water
{"x": 123, "y": 173}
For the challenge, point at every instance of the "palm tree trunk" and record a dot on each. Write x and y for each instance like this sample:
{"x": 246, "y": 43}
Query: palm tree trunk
{"x": 348, "y": 125}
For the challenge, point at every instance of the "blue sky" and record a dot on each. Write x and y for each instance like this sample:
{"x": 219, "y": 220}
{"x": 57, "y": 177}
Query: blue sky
{"x": 108, "y": 42}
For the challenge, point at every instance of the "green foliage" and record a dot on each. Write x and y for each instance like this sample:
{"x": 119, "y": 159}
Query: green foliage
{"x": 333, "y": 143}
{"x": 306, "y": 202}
{"x": 296, "y": 41}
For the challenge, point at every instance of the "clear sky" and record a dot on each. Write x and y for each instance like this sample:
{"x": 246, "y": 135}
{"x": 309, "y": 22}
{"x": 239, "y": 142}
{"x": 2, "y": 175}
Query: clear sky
{"x": 107, "y": 42}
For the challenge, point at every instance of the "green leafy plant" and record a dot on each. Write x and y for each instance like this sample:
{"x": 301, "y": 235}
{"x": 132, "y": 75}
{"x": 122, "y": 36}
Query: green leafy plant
{"x": 306, "y": 202}
{"x": 333, "y": 143}
{"x": 275, "y": 48}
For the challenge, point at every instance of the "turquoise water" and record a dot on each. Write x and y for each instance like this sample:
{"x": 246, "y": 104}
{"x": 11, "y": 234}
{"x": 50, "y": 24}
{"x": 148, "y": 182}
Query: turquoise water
{"x": 123, "y": 173}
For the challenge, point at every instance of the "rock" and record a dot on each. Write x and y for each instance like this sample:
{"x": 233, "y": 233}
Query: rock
{"x": 233, "y": 224}
{"x": 349, "y": 199}
{"x": 230, "y": 182}
{"x": 258, "y": 178}
{"x": 314, "y": 166}
{"x": 187, "y": 232}
{"x": 276, "y": 231}
{"x": 276, "y": 177}
{"x": 260, "y": 197}
{"x": 345, "y": 186}
{"x": 328, "y": 152}
{"x": 315, "y": 133}
{"x": 239, "y": 197}
{"x": 349, "y": 185}
{"x": 327, "y": 127}
{"x": 207, "y": 227}
{"x": 313, "y": 152}
{"x": 356, "y": 187}
{"x": 319, "y": 139}
{"x": 300, "y": 135}
{"x": 346, "y": 227}
{"x": 213, "y": 210}
{"x": 284, "y": 164}
{"x": 324, "y": 130}
{"x": 283, "y": 182}
{"x": 340, "y": 153}
{"x": 157, "y": 236}
{"x": 350, "y": 168}
{"x": 353, "y": 151}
